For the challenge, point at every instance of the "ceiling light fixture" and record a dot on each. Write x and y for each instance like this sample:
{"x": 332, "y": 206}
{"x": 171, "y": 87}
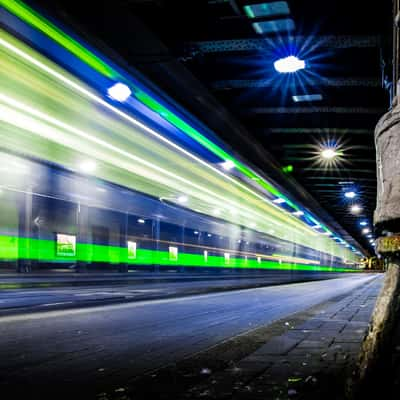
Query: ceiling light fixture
{"x": 289, "y": 64}
{"x": 350, "y": 194}
{"x": 306, "y": 97}
{"x": 328, "y": 153}
{"x": 355, "y": 209}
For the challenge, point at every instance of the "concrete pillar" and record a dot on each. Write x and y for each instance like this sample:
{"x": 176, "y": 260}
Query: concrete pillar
{"x": 374, "y": 375}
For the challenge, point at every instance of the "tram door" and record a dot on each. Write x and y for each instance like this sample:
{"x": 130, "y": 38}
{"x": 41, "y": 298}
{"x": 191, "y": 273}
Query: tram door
{"x": 100, "y": 250}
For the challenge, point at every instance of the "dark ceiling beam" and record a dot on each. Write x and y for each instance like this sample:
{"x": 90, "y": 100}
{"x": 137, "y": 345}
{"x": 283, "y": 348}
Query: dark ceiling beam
{"x": 335, "y": 185}
{"x": 318, "y": 131}
{"x": 338, "y": 190}
{"x": 312, "y": 146}
{"x": 308, "y": 159}
{"x": 341, "y": 170}
{"x": 338, "y": 178}
{"x": 313, "y": 109}
{"x": 262, "y": 44}
{"x": 321, "y": 82}
{"x": 335, "y": 189}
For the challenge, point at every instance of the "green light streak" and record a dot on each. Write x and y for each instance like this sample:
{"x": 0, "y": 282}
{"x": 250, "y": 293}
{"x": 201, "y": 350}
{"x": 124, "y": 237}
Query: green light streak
{"x": 208, "y": 144}
{"x": 49, "y": 115}
{"x": 34, "y": 19}
{"x": 27, "y": 14}
{"x": 14, "y": 248}
{"x": 22, "y": 11}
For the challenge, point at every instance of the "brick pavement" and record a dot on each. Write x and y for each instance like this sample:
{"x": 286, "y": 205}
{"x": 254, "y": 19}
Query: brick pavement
{"x": 310, "y": 360}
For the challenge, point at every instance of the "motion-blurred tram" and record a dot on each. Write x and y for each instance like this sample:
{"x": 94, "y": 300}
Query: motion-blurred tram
{"x": 93, "y": 178}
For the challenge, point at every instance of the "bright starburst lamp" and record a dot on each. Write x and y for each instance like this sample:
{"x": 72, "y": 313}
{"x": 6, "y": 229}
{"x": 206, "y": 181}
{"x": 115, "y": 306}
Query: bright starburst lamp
{"x": 289, "y": 64}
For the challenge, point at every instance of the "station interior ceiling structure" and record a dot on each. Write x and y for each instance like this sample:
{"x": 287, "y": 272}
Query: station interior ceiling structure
{"x": 216, "y": 58}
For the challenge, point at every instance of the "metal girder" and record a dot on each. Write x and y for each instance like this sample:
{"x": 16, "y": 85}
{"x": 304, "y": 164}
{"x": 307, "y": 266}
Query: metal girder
{"x": 335, "y": 185}
{"x": 262, "y": 44}
{"x": 311, "y": 146}
{"x": 318, "y": 131}
{"x": 335, "y": 178}
{"x": 341, "y": 171}
{"x": 312, "y": 109}
{"x": 326, "y": 82}
{"x": 308, "y": 159}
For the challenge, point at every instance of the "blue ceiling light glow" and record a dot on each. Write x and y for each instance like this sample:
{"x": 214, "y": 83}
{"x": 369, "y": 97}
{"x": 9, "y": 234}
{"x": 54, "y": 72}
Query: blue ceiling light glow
{"x": 363, "y": 223}
{"x": 289, "y": 64}
{"x": 119, "y": 92}
{"x": 350, "y": 194}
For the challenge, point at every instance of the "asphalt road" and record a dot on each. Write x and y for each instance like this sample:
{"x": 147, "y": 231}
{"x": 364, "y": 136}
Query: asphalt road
{"x": 57, "y": 291}
{"x": 90, "y": 349}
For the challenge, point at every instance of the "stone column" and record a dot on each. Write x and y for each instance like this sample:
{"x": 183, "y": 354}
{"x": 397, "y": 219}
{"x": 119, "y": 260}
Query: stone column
{"x": 374, "y": 375}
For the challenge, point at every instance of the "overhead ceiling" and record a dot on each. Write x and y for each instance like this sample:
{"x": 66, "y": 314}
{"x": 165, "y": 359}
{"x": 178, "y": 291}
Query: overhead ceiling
{"x": 346, "y": 47}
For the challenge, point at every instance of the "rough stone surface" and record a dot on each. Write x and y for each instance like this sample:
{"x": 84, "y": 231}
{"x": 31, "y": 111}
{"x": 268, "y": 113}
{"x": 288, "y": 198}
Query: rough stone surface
{"x": 387, "y": 141}
{"x": 376, "y": 364}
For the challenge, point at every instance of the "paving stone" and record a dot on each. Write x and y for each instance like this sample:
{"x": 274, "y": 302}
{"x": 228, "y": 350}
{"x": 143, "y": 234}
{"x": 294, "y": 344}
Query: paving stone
{"x": 315, "y": 344}
{"x": 311, "y": 324}
{"x": 326, "y": 345}
{"x": 278, "y": 345}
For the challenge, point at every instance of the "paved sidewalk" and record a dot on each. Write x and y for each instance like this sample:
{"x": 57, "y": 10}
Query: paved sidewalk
{"x": 310, "y": 360}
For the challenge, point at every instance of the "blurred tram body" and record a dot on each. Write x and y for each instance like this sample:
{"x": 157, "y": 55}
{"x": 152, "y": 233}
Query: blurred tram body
{"x": 91, "y": 183}
{"x": 53, "y": 218}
